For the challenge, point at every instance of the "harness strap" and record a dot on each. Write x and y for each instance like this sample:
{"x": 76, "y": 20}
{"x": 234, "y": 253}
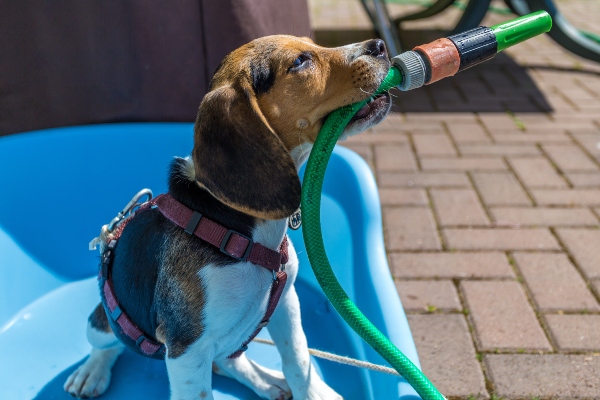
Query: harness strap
{"x": 230, "y": 242}
{"x": 146, "y": 345}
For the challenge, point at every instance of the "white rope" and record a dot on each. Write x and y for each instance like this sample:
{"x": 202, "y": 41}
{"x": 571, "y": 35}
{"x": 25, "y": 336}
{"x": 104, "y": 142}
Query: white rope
{"x": 340, "y": 359}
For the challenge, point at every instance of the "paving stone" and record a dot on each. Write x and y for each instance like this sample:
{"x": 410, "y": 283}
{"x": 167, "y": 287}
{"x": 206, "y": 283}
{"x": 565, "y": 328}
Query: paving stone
{"x": 447, "y": 354}
{"x": 584, "y": 179}
{"x": 437, "y": 117}
{"x": 571, "y": 197}
{"x": 410, "y": 229}
{"x": 596, "y": 287}
{"x": 423, "y": 179}
{"x": 583, "y": 244}
{"x": 500, "y": 188}
{"x": 425, "y": 129}
{"x": 394, "y": 158}
{"x": 499, "y": 239}
{"x": 570, "y": 157}
{"x": 498, "y": 149}
{"x": 379, "y": 136}
{"x": 575, "y": 332}
{"x": 575, "y": 93}
{"x": 550, "y": 376}
{"x": 537, "y": 172}
{"x": 555, "y": 283}
{"x": 527, "y": 137}
{"x": 543, "y": 216}
{"x": 439, "y": 145}
{"x": 403, "y": 197}
{"x": 428, "y": 295}
{"x": 495, "y": 121}
{"x": 502, "y": 316}
{"x": 463, "y": 164}
{"x": 467, "y": 132}
{"x": 568, "y": 124}
{"x": 458, "y": 207}
{"x": 450, "y": 265}
{"x": 590, "y": 139}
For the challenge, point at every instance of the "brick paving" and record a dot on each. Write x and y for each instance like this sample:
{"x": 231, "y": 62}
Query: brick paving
{"x": 490, "y": 186}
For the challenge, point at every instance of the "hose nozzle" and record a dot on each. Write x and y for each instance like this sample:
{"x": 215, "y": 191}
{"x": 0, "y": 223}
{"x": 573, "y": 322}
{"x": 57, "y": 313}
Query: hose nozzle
{"x": 445, "y": 57}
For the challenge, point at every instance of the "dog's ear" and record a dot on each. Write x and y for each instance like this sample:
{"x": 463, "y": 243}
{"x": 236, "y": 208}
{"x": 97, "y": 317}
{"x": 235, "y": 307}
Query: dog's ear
{"x": 239, "y": 158}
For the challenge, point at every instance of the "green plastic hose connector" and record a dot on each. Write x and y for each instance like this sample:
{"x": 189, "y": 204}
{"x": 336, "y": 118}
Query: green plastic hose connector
{"x": 508, "y": 34}
{"x": 520, "y": 29}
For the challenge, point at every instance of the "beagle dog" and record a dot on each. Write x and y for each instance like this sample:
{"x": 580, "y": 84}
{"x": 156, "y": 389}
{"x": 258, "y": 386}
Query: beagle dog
{"x": 255, "y": 128}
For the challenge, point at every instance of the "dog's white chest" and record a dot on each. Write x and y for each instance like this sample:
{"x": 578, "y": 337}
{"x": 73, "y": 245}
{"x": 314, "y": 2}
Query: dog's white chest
{"x": 236, "y": 297}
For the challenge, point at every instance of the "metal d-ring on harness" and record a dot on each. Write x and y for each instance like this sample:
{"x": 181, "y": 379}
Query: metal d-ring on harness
{"x": 121, "y": 216}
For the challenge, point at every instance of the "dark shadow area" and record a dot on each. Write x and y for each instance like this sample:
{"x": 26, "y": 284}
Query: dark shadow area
{"x": 499, "y": 85}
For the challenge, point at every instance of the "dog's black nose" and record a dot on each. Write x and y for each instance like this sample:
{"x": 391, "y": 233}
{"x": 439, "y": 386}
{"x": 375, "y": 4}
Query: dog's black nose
{"x": 376, "y": 48}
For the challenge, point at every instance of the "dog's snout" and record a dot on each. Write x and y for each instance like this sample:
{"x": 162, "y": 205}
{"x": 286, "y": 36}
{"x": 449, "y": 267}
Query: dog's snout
{"x": 376, "y": 48}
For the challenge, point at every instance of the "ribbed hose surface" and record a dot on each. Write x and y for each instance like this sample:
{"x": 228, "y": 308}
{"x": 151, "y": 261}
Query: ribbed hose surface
{"x": 313, "y": 238}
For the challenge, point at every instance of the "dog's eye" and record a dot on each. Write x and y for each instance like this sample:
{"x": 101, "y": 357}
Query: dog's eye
{"x": 302, "y": 61}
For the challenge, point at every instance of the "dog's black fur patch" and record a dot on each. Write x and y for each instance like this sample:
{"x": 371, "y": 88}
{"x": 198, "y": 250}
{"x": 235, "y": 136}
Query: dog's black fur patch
{"x": 263, "y": 76}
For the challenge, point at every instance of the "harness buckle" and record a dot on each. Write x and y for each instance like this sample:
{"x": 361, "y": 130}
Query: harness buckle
{"x": 225, "y": 241}
{"x": 139, "y": 340}
{"x": 263, "y": 324}
{"x": 116, "y": 313}
{"x": 133, "y": 203}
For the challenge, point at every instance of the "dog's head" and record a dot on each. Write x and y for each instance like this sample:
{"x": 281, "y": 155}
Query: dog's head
{"x": 266, "y": 104}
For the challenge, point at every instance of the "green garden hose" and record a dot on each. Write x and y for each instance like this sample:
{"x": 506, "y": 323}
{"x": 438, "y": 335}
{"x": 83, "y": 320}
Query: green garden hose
{"x": 410, "y": 70}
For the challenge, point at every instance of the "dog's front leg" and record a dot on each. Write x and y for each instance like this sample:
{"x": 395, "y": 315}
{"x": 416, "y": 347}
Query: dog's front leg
{"x": 286, "y": 330}
{"x": 190, "y": 374}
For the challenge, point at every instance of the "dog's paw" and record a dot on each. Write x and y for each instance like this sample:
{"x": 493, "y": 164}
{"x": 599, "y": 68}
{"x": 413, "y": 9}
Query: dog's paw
{"x": 277, "y": 393}
{"x": 319, "y": 390}
{"x": 91, "y": 379}
{"x": 88, "y": 381}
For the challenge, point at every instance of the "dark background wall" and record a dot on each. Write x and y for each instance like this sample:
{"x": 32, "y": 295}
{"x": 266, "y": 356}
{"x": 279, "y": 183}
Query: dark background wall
{"x": 71, "y": 62}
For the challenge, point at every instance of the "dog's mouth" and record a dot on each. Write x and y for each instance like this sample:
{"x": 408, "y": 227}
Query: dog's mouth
{"x": 369, "y": 115}
{"x": 374, "y": 107}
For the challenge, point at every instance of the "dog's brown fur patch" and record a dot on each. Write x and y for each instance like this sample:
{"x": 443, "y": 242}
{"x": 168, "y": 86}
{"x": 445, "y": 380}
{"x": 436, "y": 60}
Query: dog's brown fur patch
{"x": 180, "y": 293}
{"x": 99, "y": 320}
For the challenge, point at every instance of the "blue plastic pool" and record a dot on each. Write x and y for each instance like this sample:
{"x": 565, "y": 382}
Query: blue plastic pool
{"x": 59, "y": 186}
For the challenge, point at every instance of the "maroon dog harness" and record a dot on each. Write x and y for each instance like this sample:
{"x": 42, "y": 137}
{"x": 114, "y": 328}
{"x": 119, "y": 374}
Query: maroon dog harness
{"x": 229, "y": 242}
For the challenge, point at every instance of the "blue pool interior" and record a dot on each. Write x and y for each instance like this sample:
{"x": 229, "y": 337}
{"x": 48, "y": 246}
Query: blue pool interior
{"x": 59, "y": 186}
